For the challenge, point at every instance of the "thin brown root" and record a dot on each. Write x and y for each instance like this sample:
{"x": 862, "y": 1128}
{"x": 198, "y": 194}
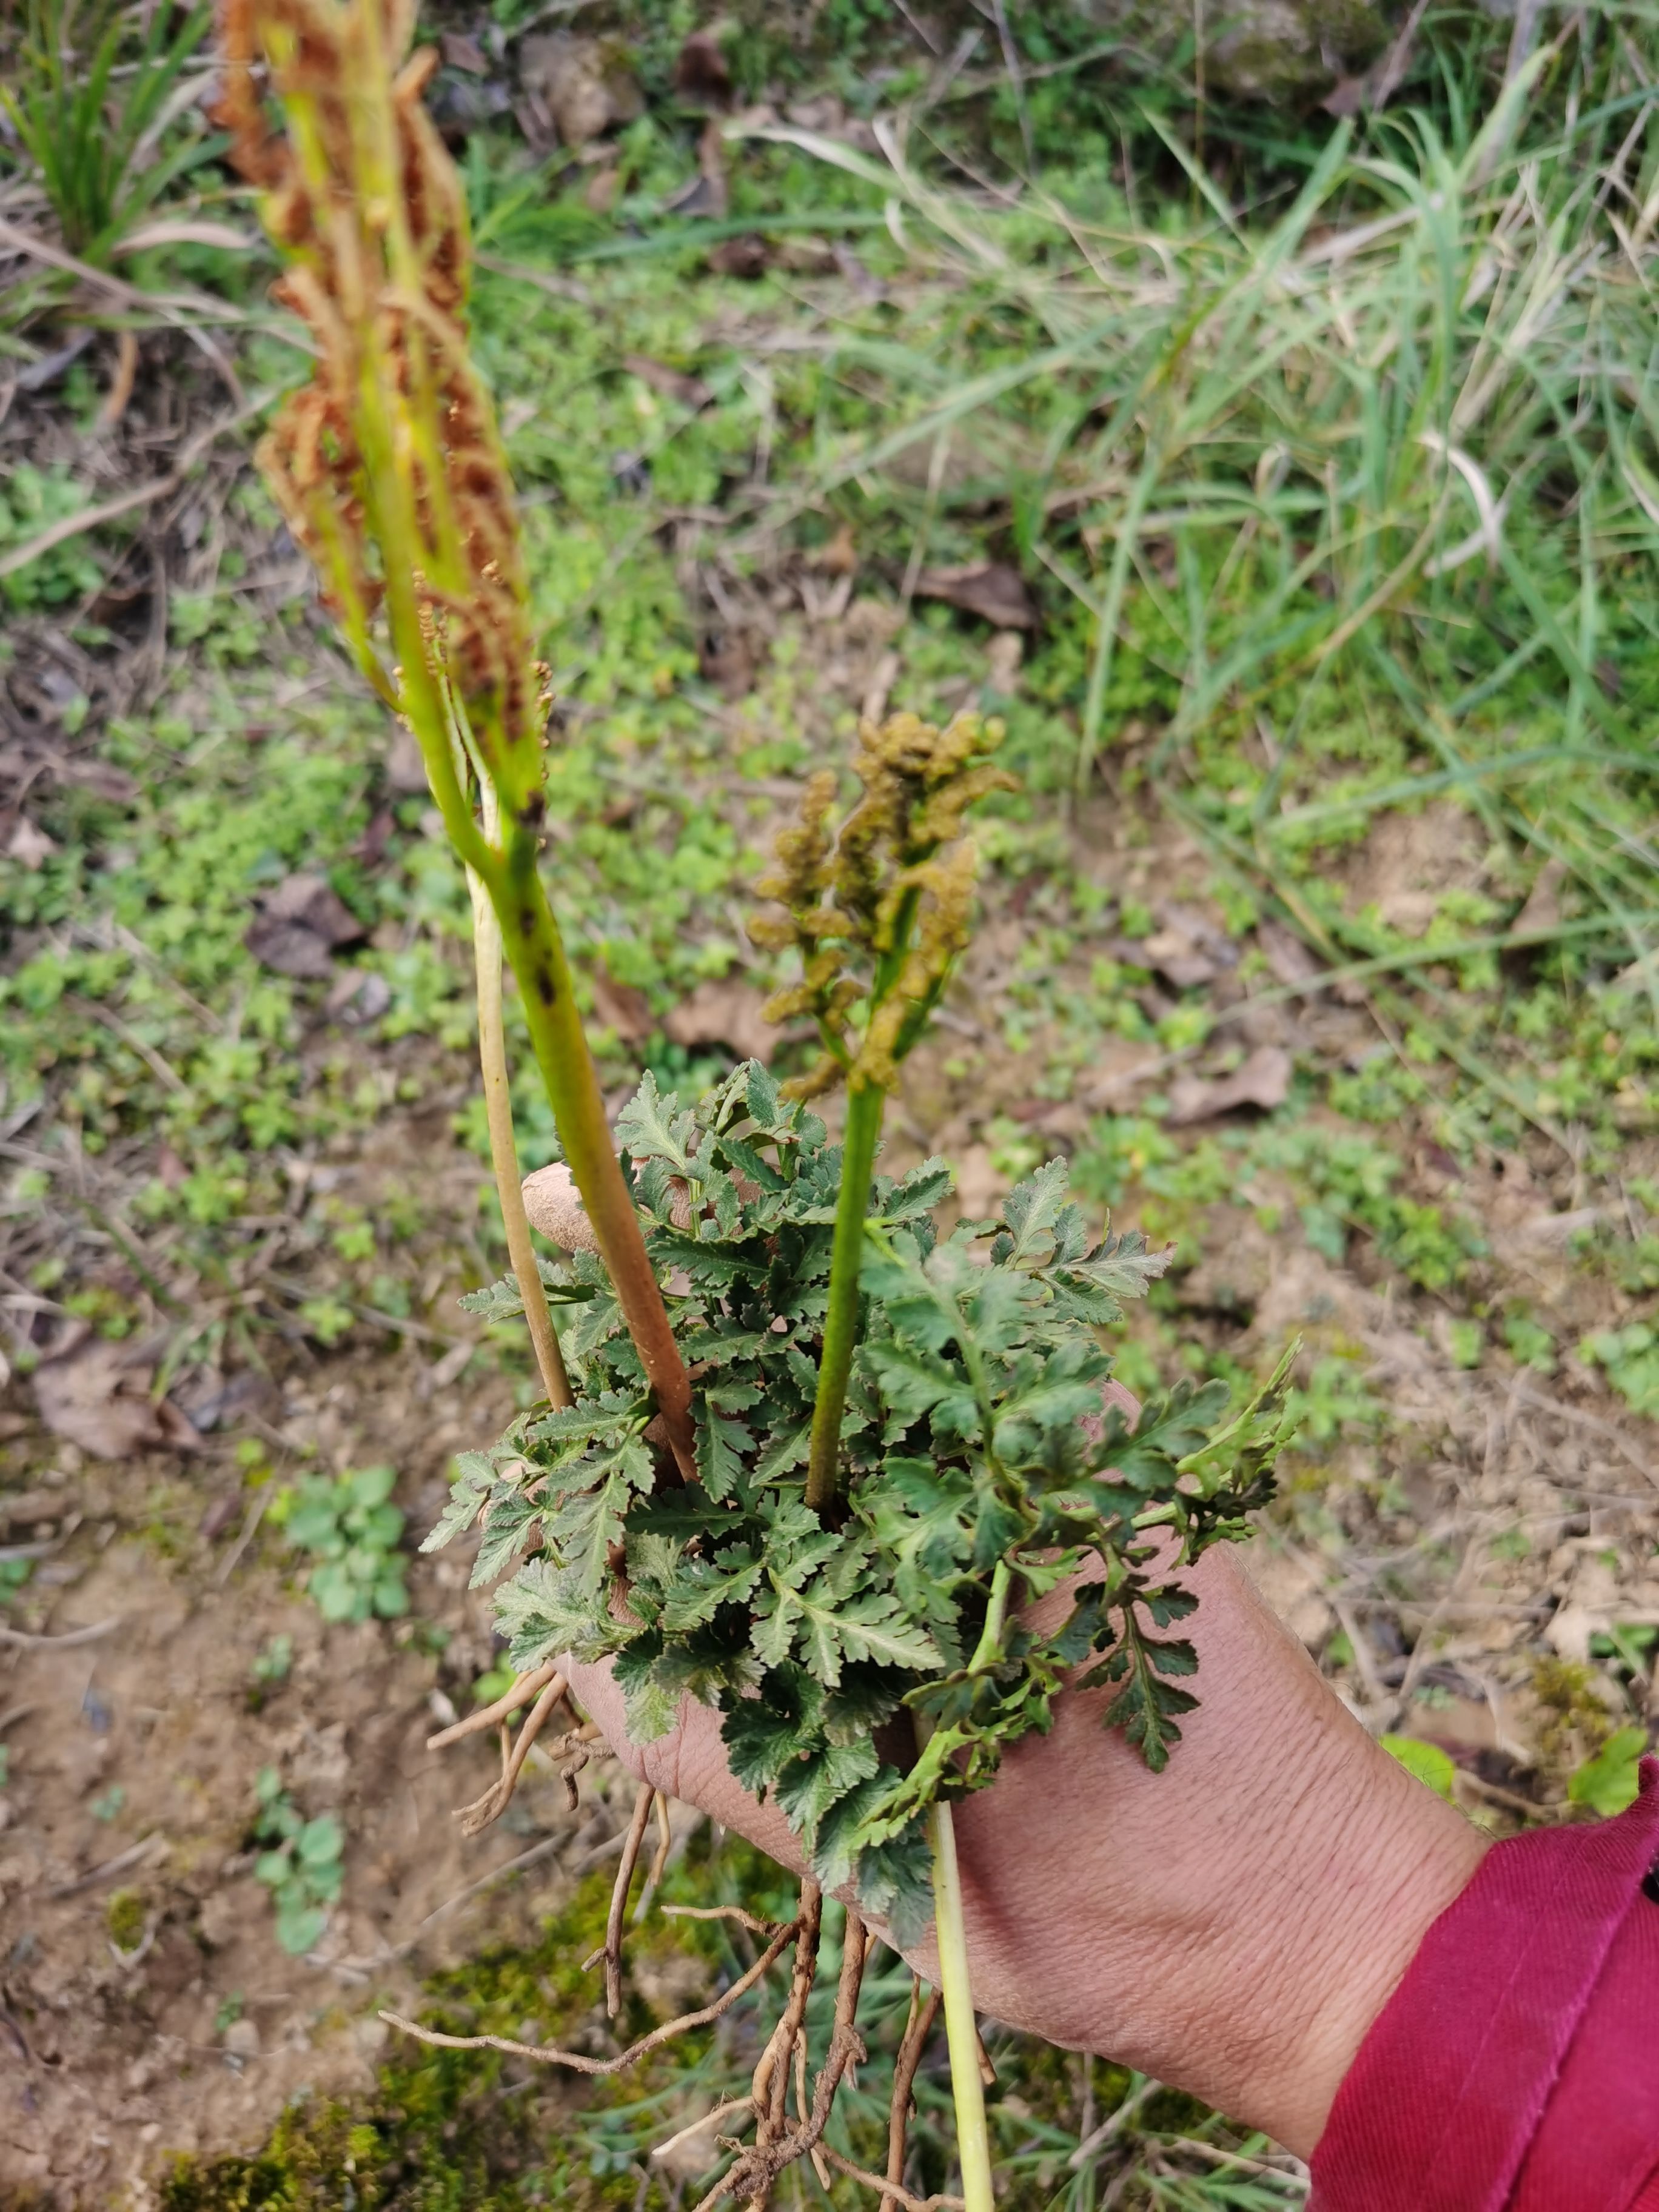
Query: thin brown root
{"x": 527, "y": 1686}
{"x": 769, "y": 2087}
{"x": 610, "y": 1949}
{"x": 901, "y": 2197}
{"x": 659, "y": 1863}
{"x": 485, "y": 1811}
{"x": 578, "y": 2061}
{"x": 729, "y": 2111}
{"x": 752, "y": 2175}
{"x": 917, "y": 2029}
{"x": 755, "y": 1926}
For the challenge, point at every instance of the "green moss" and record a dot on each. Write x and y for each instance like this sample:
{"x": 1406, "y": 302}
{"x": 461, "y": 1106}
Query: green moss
{"x": 125, "y": 1917}
{"x": 432, "y": 2137}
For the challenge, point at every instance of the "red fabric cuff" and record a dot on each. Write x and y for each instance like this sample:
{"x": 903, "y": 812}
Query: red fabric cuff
{"x": 1516, "y": 2067}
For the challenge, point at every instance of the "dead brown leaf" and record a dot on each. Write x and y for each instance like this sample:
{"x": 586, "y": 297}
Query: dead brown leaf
{"x": 727, "y": 1013}
{"x": 1289, "y": 958}
{"x": 29, "y": 846}
{"x": 709, "y": 193}
{"x": 702, "y": 78}
{"x": 622, "y": 1008}
{"x": 1173, "y": 954}
{"x": 300, "y": 927}
{"x": 990, "y": 589}
{"x": 1002, "y": 662}
{"x": 461, "y": 52}
{"x": 748, "y": 256}
{"x": 96, "y": 1395}
{"x": 1543, "y": 907}
{"x": 1263, "y": 1080}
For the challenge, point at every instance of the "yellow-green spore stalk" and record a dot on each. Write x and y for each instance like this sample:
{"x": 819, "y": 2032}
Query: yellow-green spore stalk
{"x": 879, "y": 912}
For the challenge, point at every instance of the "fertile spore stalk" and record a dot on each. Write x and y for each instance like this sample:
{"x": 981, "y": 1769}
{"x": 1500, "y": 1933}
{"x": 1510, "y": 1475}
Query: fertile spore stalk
{"x": 879, "y": 915}
{"x": 388, "y": 468}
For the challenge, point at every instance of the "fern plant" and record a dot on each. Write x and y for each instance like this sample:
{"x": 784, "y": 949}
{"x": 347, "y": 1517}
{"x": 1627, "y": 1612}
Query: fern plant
{"x": 802, "y": 1456}
{"x": 980, "y": 1465}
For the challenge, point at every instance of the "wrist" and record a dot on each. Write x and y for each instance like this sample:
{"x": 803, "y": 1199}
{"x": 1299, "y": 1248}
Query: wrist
{"x": 1302, "y": 1960}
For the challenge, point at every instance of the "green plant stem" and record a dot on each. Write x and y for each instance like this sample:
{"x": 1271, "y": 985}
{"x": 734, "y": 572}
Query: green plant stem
{"x": 990, "y": 1637}
{"x": 961, "y": 2029}
{"x": 536, "y": 952}
{"x": 503, "y": 1151}
{"x": 866, "y": 1105}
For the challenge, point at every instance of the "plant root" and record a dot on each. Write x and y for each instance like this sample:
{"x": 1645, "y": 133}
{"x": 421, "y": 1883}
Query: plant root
{"x": 769, "y": 2088}
{"x": 578, "y": 2061}
{"x": 485, "y": 1811}
{"x": 756, "y": 2169}
{"x": 917, "y": 2029}
{"x": 901, "y": 2197}
{"x": 610, "y": 1949}
{"x": 527, "y": 1686}
{"x": 659, "y": 1862}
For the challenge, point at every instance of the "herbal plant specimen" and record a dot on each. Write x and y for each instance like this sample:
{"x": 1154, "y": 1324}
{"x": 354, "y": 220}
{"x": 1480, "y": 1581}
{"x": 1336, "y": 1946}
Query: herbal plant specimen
{"x": 802, "y": 1456}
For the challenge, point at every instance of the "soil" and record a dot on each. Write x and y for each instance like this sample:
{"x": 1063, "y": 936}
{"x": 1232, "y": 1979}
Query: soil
{"x": 197, "y": 2039}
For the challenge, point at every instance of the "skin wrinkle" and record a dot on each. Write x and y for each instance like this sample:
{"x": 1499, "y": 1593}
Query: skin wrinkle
{"x": 1231, "y": 1926}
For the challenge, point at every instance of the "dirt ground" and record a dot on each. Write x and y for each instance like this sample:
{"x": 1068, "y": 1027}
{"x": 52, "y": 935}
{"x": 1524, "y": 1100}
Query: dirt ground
{"x": 139, "y": 1681}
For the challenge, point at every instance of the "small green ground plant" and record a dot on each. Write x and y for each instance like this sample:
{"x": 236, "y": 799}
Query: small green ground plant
{"x": 300, "y": 1865}
{"x": 802, "y": 1455}
{"x": 349, "y": 1526}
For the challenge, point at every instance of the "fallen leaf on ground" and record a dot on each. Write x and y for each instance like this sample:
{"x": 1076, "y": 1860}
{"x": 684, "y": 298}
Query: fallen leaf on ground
{"x": 1002, "y": 660}
{"x": 461, "y": 52}
{"x": 1262, "y": 1080}
{"x": 29, "y": 846}
{"x": 1177, "y": 959}
{"x": 990, "y": 589}
{"x": 702, "y": 78}
{"x": 1543, "y": 907}
{"x": 726, "y": 1013}
{"x": 622, "y": 1008}
{"x": 96, "y": 1395}
{"x": 1285, "y": 954}
{"x": 300, "y": 927}
{"x": 840, "y": 554}
{"x": 748, "y": 257}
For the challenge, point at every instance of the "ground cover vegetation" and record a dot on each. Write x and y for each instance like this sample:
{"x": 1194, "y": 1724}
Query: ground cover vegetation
{"x": 1284, "y": 483}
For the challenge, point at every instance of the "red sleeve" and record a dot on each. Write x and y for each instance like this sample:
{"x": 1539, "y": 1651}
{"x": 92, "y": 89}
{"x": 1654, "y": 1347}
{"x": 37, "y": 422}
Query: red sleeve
{"x": 1516, "y": 2067}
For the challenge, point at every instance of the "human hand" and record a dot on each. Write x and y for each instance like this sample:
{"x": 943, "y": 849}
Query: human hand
{"x": 1231, "y": 1926}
